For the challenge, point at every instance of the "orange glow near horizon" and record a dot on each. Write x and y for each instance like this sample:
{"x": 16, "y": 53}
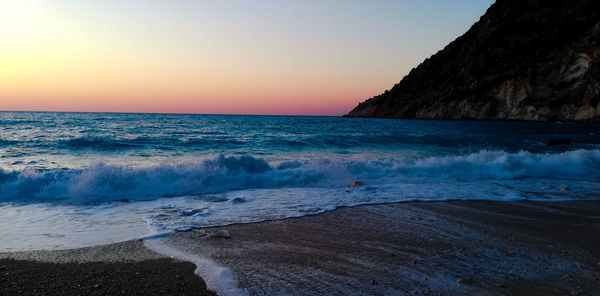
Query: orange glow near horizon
{"x": 227, "y": 57}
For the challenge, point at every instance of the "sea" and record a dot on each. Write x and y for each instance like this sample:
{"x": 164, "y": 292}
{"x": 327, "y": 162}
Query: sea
{"x": 72, "y": 180}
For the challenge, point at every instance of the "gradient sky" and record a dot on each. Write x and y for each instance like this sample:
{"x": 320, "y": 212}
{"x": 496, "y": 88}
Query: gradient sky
{"x": 308, "y": 57}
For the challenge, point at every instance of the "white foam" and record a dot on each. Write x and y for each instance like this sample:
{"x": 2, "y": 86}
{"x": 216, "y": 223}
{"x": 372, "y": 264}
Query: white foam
{"x": 105, "y": 183}
{"x": 218, "y": 278}
{"x": 274, "y": 191}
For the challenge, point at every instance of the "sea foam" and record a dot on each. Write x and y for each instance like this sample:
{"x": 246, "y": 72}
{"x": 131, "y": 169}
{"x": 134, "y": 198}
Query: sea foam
{"x": 218, "y": 278}
{"x": 102, "y": 183}
{"x": 58, "y": 209}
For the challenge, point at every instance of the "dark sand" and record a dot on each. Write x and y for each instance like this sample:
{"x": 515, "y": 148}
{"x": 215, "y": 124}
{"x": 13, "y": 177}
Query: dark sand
{"x": 444, "y": 248}
{"x": 117, "y": 269}
{"x": 150, "y": 277}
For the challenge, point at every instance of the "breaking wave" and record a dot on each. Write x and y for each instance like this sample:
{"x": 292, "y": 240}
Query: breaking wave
{"x": 103, "y": 183}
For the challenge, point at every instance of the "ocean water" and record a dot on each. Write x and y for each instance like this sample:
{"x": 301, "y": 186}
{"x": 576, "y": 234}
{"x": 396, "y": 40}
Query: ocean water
{"x": 80, "y": 179}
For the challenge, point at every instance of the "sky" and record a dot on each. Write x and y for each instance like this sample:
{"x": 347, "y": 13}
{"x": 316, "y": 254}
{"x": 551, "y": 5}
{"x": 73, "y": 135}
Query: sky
{"x": 309, "y": 57}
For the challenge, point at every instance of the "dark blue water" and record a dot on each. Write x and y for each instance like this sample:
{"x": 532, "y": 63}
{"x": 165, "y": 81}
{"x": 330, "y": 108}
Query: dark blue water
{"x": 98, "y": 157}
{"x": 65, "y": 140}
{"x": 79, "y": 179}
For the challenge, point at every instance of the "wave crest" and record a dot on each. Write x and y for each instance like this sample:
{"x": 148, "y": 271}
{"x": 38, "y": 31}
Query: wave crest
{"x": 104, "y": 183}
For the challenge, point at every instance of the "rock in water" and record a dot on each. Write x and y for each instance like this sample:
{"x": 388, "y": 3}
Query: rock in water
{"x": 357, "y": 184}
{"x": 523, "y": 60}
{"x": 557, "y": 142}
{"x": 238, "y": 200}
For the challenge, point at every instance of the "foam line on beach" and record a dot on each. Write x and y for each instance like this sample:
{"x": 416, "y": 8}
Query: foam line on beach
{"x": 218, "y": 278}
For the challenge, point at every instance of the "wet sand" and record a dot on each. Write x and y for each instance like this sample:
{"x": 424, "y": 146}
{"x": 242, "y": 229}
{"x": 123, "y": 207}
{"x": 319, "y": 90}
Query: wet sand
{"x": 447, "y": 248}
{"x": 443, "y": 248}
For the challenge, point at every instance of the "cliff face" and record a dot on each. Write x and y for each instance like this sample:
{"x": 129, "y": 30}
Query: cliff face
{"x": 523, "y": 60}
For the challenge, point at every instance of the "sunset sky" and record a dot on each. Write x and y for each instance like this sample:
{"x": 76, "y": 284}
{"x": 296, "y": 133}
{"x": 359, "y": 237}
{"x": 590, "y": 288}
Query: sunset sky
{"x": 308, "y": 57}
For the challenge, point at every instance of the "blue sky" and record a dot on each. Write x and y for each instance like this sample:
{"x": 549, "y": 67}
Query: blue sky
{"x": 274, "y": 57}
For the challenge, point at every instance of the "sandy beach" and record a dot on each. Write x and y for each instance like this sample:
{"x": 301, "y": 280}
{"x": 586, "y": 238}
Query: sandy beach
{"x": 416, "y": 248}
{"x": 241, "y": 148}
{"x": 117, "y": 269}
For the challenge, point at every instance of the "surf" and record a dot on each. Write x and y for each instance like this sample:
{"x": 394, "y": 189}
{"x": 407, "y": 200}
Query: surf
{"x": 103, "y": 183}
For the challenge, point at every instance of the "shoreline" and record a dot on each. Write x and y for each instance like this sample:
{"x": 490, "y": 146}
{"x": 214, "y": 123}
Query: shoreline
{"x": 421, "y": 248}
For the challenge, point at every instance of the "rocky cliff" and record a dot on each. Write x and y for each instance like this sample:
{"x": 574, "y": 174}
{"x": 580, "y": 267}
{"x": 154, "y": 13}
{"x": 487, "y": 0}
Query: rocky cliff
{"x": 523, "y": 60}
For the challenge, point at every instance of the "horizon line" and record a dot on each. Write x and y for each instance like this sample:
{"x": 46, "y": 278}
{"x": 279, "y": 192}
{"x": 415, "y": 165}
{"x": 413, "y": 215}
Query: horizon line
{"x": 164, "y": 113}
